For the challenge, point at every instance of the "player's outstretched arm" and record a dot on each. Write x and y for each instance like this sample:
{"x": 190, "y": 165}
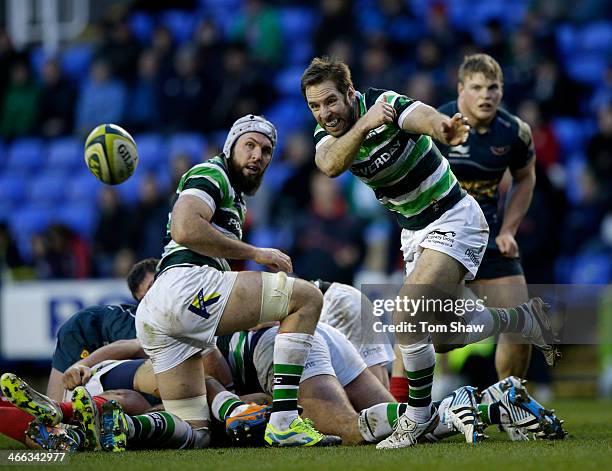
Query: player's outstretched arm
{"x": 426, "y": 120}
{"x": 336, "y": 155}
{"x": 191, "y": 228}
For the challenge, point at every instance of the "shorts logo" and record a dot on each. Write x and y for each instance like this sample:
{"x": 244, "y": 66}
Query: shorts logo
{"x": 474, "y": 255}
{"x": 444, "y": 238}
{"x": 200, "y": 302}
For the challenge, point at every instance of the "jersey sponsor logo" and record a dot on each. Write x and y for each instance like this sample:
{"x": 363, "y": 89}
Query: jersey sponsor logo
{"x": 84, "y": 354}
{"x": 499, "y": 151}
{"x": 200, "y": 303}
{"x": 474, "y": 255}
{"x": 381, "y": 160}
{"x": 459, "y": 151}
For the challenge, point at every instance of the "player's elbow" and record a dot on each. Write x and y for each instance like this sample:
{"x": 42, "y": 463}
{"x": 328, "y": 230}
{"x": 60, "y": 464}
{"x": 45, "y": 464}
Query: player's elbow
{"x": 180, "y": 233}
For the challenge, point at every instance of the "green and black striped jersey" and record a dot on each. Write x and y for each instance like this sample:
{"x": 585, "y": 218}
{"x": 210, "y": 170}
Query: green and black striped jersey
{"x": 238, "y": 349}
{"x": 208, "y": 181}
{"x": 408, "y": 174}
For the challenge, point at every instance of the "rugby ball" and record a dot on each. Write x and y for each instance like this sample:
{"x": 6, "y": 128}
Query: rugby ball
{"x": 111, "y": 154}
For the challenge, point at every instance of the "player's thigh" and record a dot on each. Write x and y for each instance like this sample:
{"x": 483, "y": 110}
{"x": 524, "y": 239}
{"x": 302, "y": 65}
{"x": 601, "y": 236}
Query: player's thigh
{"x": 506, "y": 291}
{"x": 243, "y": 308}
{"x": 186, "y": 380}
{"x": 144, "y": 379}
{"x": 132, "y": 402}
{"x": 436, "y": 268}
{"x": 366, "y": 390}
{"x": 325, "y": 402}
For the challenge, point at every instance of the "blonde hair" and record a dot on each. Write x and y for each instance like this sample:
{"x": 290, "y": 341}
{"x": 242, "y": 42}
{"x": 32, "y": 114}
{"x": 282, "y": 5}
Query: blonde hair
{"x": 480, "y": 63}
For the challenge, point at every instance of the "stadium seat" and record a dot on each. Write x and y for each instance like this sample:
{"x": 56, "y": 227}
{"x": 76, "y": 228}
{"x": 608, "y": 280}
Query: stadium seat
{"x": 597, "y": 37}
{"x": 128, "y": 190}
{"x": 592, "y": 268}
{"x": 569, "y": 131}
{"x": 65, "y": 153}
{"x": 75, "y": 61}
{"x": 29, "y": 220}
{"x": 180, "y": 23}
{"x": 48, "y": 189}
{"x": 297, "y": 23}
{"x": 586, "y": 67}
{"x": 83, "y": 187}
{"x": 25, "y": 154}
{"x": 152, "y": 151}
{"x": 12, "y": 189}
{"x": 80, "y": 217}
{"x": 192, "y": 144}
{"x": 288, "y": 81}
{"x": 142, "y": 26}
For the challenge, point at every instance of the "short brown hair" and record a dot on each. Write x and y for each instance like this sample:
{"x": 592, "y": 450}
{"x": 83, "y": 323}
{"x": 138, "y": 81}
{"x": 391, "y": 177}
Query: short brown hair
{"x": 480, "y": 63}
{"x": 138, "y": 272}
{"x": 326, "y": 68}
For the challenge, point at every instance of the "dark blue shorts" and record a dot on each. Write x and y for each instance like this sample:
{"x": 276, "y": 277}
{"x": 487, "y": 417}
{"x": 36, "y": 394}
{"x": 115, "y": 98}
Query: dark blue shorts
{"x": 495, "y": 265}
{"x": 122, "y": 377}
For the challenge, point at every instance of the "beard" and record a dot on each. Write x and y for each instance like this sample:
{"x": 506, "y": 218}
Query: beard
{"x": 243, "y": 183}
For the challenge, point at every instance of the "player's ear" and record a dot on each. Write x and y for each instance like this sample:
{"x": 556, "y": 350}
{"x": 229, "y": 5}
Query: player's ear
{"x": 350, "y": 93}
{"x": 460, "y": 88}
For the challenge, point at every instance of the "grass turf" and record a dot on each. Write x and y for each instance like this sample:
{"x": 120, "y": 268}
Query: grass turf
{"x": 589, "y": 446}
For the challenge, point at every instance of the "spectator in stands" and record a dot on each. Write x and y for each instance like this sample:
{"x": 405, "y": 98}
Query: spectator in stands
{"x": 112, "y": 229}
{"x": 184, "y": 94}
{"x": 337, "y": 22}
{"x": 420, "y": 86}
{"x": 101, "y": 100}
{"x": 496, "y": 45}
{"x": 57, "y": 101}
{"x": 328, "y": 242}
{"x": 120, "y": 49}
{"x": 8, "y": 56}
{"x": 20, "y": 109}
{"x": 599, "y": 155}
{"x": 143, "y": 101}
{"x": 149, "y": 219}
{"x": 179, "y": 165}
{"x": 241, "y": 89}
{"x": 162, "y": 44}
{"x": 61, "y": 253}
{"x": 10, "y": 258}
{"x": 258, "y": 25}
{"x": 555, "y": 92}
{"x": 544, "y": 139}
{"x": 294, "y": 195}
{"x": 521, "y": 67}
{"x": 377, "y": 67}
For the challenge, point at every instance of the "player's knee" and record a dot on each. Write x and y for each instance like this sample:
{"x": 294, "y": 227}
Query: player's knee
{"x": 309, "y": 296}
{"x": 277, "y": 291}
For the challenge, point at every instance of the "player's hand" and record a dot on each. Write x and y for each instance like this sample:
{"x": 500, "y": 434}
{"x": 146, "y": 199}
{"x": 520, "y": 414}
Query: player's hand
{"x": 507, "y": 245}
{"x": 274, "y": 259}
{"x": 454, "y": 131}
{"x": 381, "y": 113}
{"x": 76, "y": 375}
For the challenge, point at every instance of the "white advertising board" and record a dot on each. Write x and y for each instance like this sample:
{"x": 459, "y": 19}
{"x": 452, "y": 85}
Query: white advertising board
{"x": 31, "y": 313}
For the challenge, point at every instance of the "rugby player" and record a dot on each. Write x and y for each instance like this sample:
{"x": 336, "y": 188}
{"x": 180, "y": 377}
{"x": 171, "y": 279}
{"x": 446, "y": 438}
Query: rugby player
{"x": 96, "y": 326}
{"x": 195, "y": 296}
{"x": 498, "y": 142}
{"x": 385, "y": 139}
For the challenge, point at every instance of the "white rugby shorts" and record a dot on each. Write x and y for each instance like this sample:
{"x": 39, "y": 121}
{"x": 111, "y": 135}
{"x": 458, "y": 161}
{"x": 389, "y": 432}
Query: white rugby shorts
{"x": 461, "y": 232}
{"x": 331, "y": 354}
{"x": 178, "y": 316}
{"x": 349, "y": 311}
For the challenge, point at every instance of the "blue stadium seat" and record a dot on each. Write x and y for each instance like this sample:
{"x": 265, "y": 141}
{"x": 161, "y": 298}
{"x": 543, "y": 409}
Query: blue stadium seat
{"x": 48, "y": 189}
{"x": 80, "y": 217}
{"x": 152, "y": 151}
{"x": 188, "y": 143}
{"x": 586, "y": 67}
{"x": 128, "y": 190}
{"x": 65, "y": 153}
{"x": 597, "y": 37}
{"x": 29, "y": 220}
{"x": 75, "y": 61}
{"x": 38, "y": 57}
{"x": 288, "y": 81}
{"x": 297, "y": 23}
{"x": 12, "y": 189}
{"x": 180, "y": 23}
{"x": 570, "y": 133}
{"x": 592, "y": 268}
{"x": 567, "y": 39}
{"x": 26, "y": 154}
{"x": 142, "y": 25}
{"x": 83, "y": 187}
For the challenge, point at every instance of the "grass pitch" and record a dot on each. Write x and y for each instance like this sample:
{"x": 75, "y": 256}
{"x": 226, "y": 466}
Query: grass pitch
{"x": 589, "y": 446}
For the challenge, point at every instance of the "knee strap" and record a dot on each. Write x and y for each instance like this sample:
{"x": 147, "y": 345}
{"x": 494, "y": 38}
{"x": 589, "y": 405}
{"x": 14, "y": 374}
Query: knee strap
{"x": 193, "y": 408}
{"x": 276, "y": 289}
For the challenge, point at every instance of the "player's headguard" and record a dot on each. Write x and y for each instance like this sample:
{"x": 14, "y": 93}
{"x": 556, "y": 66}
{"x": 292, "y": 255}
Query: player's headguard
{"x": 249, "y": 123}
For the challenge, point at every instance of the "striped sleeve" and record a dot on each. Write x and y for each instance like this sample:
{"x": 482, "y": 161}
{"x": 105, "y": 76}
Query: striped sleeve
{"x": 402, "y": 104}
{"x": 320, "y": 136}
{"x": 207, "y": 182}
